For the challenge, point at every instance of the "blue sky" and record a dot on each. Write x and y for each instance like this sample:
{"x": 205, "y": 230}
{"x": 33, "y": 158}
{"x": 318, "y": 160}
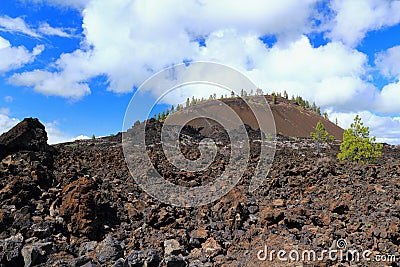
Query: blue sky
{"x": 75, "y": 64}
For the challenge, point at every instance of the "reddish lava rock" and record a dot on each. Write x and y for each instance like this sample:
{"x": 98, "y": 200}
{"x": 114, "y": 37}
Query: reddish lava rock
{"x": 78, "y": 207}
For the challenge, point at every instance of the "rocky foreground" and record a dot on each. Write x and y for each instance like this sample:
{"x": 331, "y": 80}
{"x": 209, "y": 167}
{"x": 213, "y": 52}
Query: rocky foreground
{"x": 75, "y": 204}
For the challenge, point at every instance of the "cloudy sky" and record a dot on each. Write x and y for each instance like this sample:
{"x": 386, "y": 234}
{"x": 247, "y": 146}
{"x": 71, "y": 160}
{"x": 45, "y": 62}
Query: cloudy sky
{"x": 75, "y": 64}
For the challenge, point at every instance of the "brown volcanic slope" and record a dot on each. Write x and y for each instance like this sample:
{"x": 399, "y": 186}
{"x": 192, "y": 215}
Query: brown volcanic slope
{"x": 290, "y": 118}
{"x": 294, "y": 120}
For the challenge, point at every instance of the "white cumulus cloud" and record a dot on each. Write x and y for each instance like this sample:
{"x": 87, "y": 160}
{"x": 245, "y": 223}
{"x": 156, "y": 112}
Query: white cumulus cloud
{"x": 131, "y": 40}
{"x": 314, "y": 73}
{"x": 15, "y": 57}
{"x": 388, "y": 62}
{"x": 388, "y": 101}
{"x": 51, "y": 83}
{"x": 353, "y": 19}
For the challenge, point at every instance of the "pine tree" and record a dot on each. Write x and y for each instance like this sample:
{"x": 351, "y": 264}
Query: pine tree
{"x": 285, "y": 94}
{"x": 273, "y": 98}
{"x": 326, "y": 116}
{"x": 172, "y": 109}
{"x": 314, "y": 107}
{"x": 187, "y": 102}
{"x": 307, "y": 104}
{"x": 320, "y": 135}
{"x": 357, "y": 145}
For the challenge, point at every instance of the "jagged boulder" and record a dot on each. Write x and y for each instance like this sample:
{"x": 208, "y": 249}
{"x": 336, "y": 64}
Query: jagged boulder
{"x": 29, "y": 135}
{"x": 26, "y": 163}
{"x": 78, "y": 206}
{"x": 83, "y": 209}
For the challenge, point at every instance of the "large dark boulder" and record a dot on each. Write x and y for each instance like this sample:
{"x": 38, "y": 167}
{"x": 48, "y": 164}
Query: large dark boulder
{"x": 28, "y": 135}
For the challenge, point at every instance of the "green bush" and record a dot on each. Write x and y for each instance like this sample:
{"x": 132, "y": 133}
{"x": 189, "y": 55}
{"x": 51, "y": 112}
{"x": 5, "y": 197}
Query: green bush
{"x": 357, "y": 145}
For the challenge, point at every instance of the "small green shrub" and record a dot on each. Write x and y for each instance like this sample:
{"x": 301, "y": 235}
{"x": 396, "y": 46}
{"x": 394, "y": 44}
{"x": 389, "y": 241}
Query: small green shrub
{"x": 320, "y": 135}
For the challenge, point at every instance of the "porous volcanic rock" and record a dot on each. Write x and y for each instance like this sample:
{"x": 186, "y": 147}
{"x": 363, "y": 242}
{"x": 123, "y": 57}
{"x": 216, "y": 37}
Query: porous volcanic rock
{"x": 29, "y": 135}
{"x": 76, "y": 204}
